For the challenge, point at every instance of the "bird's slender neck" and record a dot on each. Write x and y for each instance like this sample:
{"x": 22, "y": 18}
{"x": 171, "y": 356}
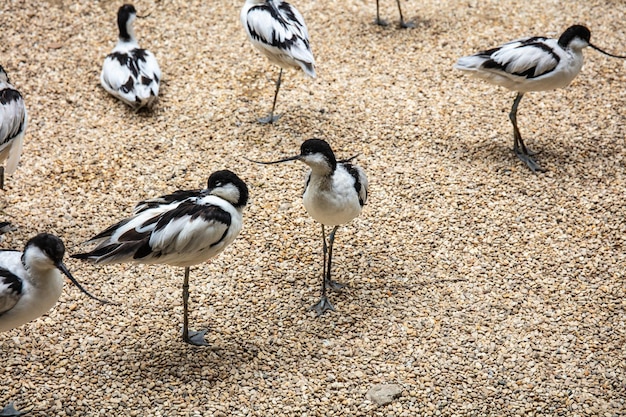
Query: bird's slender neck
{"x": 47, "y": 277}
{"x": 321, "y": 170}
{"x": 127, "y": 33}
{"x": 320, "y": 164}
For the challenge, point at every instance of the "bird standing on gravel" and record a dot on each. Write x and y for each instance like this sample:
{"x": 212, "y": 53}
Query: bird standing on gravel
{"x": 13, "y": 120}
{"x": 381, "y": 22}
{"x": 30, "y": 285}
{"x": 531, "y": 64}
{"x": 277, "y": 30}
{"x": 334, "y": 194}
{"x": 130, "y": 73}
{"x": 181, "y": 229}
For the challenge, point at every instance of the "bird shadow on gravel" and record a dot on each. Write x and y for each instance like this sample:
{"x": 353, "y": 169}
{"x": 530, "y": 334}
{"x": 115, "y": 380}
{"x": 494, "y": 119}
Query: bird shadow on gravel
{"x": 188, "y": 363}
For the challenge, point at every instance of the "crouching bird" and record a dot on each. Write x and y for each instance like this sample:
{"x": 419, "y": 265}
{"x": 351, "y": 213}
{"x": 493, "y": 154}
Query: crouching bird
{"x": 131, "y": 73}
{"x": 30, "y": 285}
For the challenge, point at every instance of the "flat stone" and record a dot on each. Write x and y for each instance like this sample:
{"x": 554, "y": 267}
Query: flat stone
{"x": 383, "y": 394}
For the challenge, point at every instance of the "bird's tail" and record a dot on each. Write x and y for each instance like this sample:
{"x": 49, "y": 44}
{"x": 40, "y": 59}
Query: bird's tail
{"x": 469, "y": 63}
{"x": 308, "y": 68}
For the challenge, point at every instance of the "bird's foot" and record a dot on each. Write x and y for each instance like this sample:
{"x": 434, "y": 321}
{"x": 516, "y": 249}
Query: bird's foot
{"x": 334, "y": 285}
{"x": 6, "y": 227}
{"x": 272, "y": 118}
{"x": 322, "y": 306}
{"x": 195, "y": 338}
{"x": 381, "y": 22}
{"x": 406, "y": 25}
{"x": 528, "y": 160}
{"x": 10, "y": 411}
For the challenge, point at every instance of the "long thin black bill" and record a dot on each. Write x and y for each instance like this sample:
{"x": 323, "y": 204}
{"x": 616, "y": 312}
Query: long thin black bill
{"x": 291, "y": 158}
{"x": 606, "y": 53}
{"x": 64, "y": 269}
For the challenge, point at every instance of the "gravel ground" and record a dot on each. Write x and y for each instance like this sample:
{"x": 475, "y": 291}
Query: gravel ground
{"x": 480, "y": 288}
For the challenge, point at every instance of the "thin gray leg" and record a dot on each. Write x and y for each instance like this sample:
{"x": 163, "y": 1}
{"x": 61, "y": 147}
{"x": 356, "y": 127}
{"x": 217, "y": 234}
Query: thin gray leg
{"x": 403, "y": 24}
{"x": 379, "y": 21}
{"x": 518, "y": 143}
{"x": 324, "y": 303}
{"x": 271, "y": 118}
{"x": 329, "y": 282}
{"x": 190, "y": 336}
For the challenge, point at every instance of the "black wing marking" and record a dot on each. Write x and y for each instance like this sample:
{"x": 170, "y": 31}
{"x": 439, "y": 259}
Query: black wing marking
{"x": 9, "y": 95}
{"x": 130, "y": 59}
{"x": 179, "y": 195}
{"x": 530, "y": 72}
{"x": 275, "y": 39}
{"x": 11, "y": 286}
{"x": 187, "y": 208}
{"x": 357, "y": 182}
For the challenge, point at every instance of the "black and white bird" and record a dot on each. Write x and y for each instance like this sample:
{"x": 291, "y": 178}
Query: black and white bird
{"x": 277, "y": 30}
{"x": 531, "y": 64}
{"x": 30, "y": 285}
{"x": 131, "y": 73}
{"x": 382, "y": 22}
{"x": 13, "y": 120}
{"x": 31, "y": 281}
{"x": 184, "y": 228}
{"x": 334, "y": 194}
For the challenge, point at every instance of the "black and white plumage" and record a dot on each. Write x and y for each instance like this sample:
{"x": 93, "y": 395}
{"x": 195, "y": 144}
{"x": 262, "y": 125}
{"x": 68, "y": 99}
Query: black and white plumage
{"x": 13, "y": 121}
{"x": 277, "y": 30}
{"x": 334, "y": 194}
{"x": 31, "y": 281}
{"x": 531, "y": 64}
{"x": 382, "y": 22}
{"x": 130, "y": 73}
{"x": 30, "y": 285}
{"x": 184, "y": 228}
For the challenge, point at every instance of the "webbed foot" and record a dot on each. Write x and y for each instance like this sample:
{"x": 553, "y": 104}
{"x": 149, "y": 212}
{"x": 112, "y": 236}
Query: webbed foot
{"x": 334, "y": 285}
{"x": 10, "y": 411}
{"x": 381, "y": 22}
{"x": 322, "y": 306}
{"x": 272, "y": 118}
{"x": 195, "y": 338}
{"x": 528, "y": 160}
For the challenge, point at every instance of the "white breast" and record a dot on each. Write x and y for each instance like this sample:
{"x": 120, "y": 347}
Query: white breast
{"x": 38, "y": 295}
{"x": 332, "y": 201}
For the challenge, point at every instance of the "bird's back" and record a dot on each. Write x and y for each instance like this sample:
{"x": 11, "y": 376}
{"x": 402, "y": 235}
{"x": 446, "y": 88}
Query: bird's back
{"x": 527, "y": 64}
{"x": 176, "y": 232}
{"x": 132, "y": 74}
{"x": 277, "y": 29}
